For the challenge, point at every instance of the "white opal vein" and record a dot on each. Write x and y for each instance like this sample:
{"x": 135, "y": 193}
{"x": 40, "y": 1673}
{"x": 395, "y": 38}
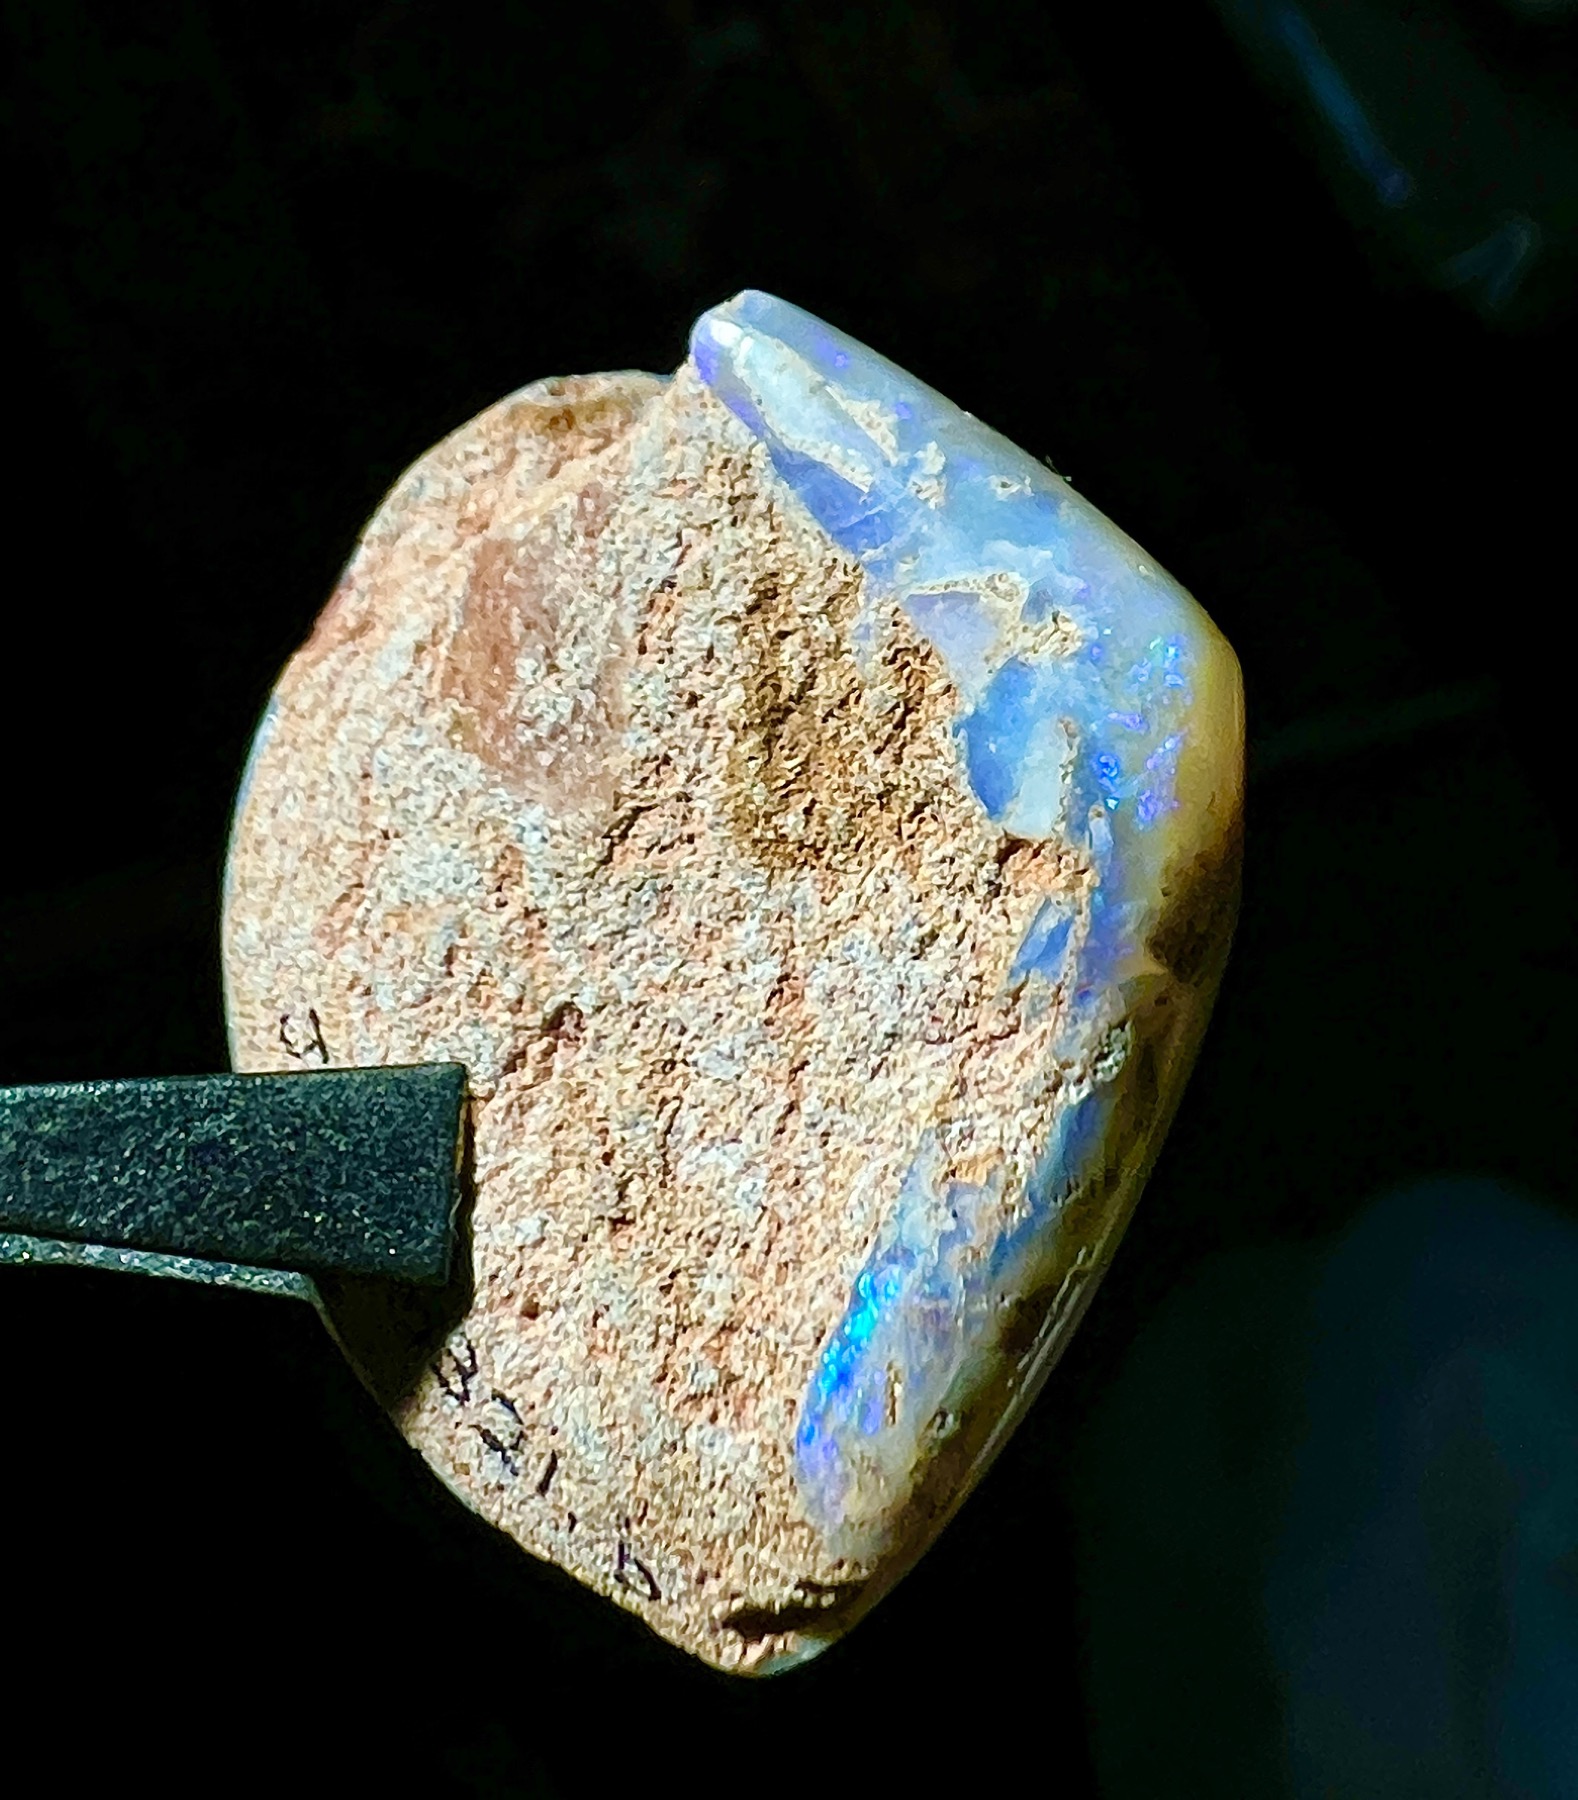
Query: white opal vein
{"x": 1098, "y": 708}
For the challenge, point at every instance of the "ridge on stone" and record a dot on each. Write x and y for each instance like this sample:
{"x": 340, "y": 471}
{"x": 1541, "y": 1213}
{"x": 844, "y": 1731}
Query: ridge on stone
{"x": 815, "y": 827}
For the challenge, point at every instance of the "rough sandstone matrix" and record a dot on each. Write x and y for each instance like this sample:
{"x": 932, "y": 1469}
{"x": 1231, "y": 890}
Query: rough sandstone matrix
{"x": 578, "y": 782}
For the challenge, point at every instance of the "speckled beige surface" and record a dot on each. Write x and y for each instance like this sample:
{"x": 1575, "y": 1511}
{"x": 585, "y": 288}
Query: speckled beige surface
{"x": 578, "y": 782}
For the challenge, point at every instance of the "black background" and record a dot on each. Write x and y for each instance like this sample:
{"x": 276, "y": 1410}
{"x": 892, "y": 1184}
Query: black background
{"x": 265, "y": 257}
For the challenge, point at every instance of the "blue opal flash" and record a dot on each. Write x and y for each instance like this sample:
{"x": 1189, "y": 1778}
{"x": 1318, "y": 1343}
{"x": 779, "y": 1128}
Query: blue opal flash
{"x": 1074, "y": 679}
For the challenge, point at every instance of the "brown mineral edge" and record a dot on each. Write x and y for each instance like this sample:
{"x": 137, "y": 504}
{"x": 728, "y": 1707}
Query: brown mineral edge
{"x": 578, "y": 783}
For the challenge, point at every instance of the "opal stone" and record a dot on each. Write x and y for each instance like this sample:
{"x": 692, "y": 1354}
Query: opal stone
{"x": 815, "y": 828}
{"x": 1098, "y": 708}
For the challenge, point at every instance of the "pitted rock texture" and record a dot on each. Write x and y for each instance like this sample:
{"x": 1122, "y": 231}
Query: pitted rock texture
{"x": 581, "y": 782}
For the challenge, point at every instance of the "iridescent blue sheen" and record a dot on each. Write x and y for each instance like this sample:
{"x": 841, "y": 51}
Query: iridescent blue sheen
{"x": 1072, "y": 666}
{"x": 1045, "y": 943}
{"x": 998, "y": 734}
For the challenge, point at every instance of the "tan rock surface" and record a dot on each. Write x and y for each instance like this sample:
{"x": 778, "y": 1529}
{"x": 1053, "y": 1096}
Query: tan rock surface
{"x": 578, "y": 782}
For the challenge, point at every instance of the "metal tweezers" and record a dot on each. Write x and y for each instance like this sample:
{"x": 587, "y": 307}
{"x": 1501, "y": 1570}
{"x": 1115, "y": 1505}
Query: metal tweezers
{"x": 270, "y": 1183}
